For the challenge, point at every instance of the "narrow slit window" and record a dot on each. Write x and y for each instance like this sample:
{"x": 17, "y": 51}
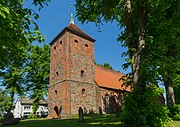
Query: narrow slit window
{"x": 55, "y": 91}
{"x": 82, "y": 73}
{"x": 83, "y": 92}
{"x": 57, "y": 74}
{"x": 54, "y": 47}
{"x": 60, "y": 45}
{"x": 86, "y": 47}
{"x": 76, "y": 43}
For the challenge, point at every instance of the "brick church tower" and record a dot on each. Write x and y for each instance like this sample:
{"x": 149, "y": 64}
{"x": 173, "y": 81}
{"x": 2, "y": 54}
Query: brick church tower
{"x": 72, "y": 73}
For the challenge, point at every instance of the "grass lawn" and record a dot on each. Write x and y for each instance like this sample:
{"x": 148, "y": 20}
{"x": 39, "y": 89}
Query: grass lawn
{"x": 90, "y": 121}
{"x": 176, "y": 123}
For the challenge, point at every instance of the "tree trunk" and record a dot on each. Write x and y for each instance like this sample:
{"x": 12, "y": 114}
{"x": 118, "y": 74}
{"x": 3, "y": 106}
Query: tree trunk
{"x": 168, "y": 83}
{"x": 129, "y": 26}
{"x": 138, "y": 57}
{"x": 12, "y": 100}
{"x": 128, "y": 10}
{"x": 169, "y": 92}
{"x": 35, "y": 105}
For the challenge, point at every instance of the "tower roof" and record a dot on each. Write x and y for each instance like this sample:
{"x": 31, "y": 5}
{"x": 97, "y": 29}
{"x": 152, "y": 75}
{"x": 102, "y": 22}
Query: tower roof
{"x": 75, "y": 30}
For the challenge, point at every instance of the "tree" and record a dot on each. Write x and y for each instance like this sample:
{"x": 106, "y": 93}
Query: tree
{"x": 12, "y": 78}
{"x": 4, "y": 102}
{"x": 18, "y": 28}
{"x": 134, "y": 37}
{"x": 138, "y": 20}
{"x": 106, "y": 65}
{"x": 177, "y": 94}
{"x": 163, "y": 47}
{"x": 37, "y": 73}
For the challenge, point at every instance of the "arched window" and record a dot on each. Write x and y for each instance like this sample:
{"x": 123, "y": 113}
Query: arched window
{"x": 83, "y": 92}
{"x": 60, "y": 42}
{"x": 55, "y": 91}
{"x": 82, "y": 73}
{"x": 107, "y": 103}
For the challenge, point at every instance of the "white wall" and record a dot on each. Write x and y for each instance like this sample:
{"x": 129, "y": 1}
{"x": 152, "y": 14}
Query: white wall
{"x": 25, "y": 110}
{"x": 18, "y": 109}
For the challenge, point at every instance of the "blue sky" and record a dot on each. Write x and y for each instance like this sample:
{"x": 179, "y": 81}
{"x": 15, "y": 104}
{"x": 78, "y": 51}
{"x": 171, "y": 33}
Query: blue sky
{"x": 54, "y": 17}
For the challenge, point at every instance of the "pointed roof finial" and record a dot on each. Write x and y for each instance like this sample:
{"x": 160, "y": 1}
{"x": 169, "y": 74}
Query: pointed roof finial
{"x": 71, "y": 18}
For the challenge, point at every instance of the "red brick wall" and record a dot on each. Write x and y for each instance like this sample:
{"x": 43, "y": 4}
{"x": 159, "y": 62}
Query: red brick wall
{"x": 59, "y": 58}
{"x": 59, "y": 75}
{"x": 61, "y": 99}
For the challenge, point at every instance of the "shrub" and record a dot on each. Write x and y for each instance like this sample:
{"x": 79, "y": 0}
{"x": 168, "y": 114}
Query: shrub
{"x": 1, "y": 119}
{"x": 32, "y": 116}
{"x": 143, "y": 109}
{"x": 174, "y": 111}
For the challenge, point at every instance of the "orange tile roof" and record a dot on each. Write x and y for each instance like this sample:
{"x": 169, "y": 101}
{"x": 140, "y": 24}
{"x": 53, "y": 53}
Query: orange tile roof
{"x": 108, "y": 78}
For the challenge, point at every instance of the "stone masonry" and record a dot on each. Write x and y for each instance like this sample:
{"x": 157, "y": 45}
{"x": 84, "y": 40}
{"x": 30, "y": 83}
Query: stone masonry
{"x": 75, "y": 80}
{"x": 72, "y": 74}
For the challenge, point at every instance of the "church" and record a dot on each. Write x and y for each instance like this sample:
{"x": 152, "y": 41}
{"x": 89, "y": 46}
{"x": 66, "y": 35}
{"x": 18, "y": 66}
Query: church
{"x": 76, "y": 81}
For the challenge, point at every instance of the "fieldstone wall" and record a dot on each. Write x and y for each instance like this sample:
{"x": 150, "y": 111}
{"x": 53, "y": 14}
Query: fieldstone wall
{"x": 86, "y": 100}
{"x": 72, "y": 75}
{"x": 83, "y": 88}
{"x": 69, "y": 87}
{"x": 115, "y": 100}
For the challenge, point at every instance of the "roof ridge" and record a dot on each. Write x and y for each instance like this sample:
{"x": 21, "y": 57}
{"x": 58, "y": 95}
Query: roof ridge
{"x": 114, "y": 71}
{"x": 74, "y": 28}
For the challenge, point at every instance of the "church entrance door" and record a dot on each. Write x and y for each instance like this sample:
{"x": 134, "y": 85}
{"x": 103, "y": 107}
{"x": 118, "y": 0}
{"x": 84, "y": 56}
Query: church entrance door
{"x": 56, "y": 113}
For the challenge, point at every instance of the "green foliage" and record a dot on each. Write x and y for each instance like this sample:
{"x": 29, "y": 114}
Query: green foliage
{"x": 12, "y": 77}
{"x": 106, "y": 65}
{"x": 32, "y": 116}
{"x": 143, "y": 109}
{"x": 12, "y": 80}
{"x": 18, "y": 29}
{"x": 174, "y": 111}
{"x": 37, "y": 73}
{"x": 163, "y": 42}
{"x": 5, "y": 102}
{"x": 177, "y": 94}
{"x": 158, "y": 61}
{"x": 1, "y": 118}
